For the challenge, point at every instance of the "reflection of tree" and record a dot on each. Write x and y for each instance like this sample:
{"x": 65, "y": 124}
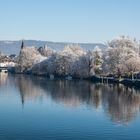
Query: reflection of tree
{"x": 119, "y": 102}
{"x": 3, "y": 78}
{"x": 123, "y": 104}
{"x": 95, "y": 95}
{"x": 71, "y": 93}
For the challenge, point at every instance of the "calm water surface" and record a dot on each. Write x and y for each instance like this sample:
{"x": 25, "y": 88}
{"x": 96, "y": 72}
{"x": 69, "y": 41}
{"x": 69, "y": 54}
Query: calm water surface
{"x": 34, "y": 108}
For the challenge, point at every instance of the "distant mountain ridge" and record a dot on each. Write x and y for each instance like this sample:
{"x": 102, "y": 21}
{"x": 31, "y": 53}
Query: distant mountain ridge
{"x": 13, "y": 47}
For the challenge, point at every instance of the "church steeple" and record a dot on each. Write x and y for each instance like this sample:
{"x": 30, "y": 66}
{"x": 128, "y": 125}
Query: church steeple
{"x": 22, "y": 44}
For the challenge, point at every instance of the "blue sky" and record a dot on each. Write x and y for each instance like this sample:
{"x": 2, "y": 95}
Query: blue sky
{"x": 69, "y": 20}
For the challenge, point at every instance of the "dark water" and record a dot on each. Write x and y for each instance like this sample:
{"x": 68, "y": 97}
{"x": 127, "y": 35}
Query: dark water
{"x": 36, "y": 109}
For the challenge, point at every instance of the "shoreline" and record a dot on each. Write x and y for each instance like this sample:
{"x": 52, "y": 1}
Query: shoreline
{"x": 94, "y": 79}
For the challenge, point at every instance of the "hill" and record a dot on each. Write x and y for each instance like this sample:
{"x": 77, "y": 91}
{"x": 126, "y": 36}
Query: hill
{"x": 13, "y": 47}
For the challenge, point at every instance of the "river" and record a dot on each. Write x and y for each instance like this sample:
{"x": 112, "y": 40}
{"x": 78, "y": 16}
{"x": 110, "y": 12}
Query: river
{"x": 37, "y": 108}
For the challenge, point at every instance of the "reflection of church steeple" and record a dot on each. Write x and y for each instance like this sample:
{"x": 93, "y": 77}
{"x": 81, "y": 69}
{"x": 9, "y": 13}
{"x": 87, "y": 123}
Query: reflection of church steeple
{"x": 22, "y": 97}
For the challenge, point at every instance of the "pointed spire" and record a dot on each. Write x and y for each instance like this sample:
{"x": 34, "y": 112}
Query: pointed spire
{"x": 22, "y": 44}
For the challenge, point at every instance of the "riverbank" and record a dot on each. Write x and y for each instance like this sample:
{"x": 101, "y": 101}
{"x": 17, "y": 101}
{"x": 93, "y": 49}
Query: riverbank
{"x": 96, "y": 79}
{"x": 125, "y": 81}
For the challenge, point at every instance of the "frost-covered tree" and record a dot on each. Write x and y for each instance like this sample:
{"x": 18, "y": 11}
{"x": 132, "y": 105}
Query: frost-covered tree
{"x": 132, "y": 63}
{"x": 73, "y": 61}
{"x": 123, "y": 42}
{"x": 97, "y": 60}
{"x": 118, "y": 52}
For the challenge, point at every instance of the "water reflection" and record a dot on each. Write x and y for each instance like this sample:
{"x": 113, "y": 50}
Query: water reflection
{"x": 121, "y": 104}
{"x": 3, "y": 78}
